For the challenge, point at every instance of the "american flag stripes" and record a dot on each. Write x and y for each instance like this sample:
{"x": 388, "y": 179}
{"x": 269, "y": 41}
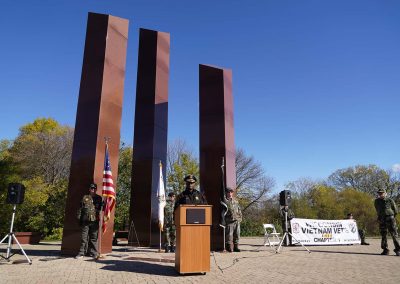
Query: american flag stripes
{"x": 108, "y": 190}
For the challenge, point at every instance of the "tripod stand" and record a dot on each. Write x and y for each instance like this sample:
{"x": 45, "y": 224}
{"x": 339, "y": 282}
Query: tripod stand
{"x": 286, "y": 235}
{"x": 11, "y": 236}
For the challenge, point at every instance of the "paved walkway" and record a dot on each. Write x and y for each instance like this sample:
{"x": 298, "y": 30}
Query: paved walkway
{"x": 255, "y": 264}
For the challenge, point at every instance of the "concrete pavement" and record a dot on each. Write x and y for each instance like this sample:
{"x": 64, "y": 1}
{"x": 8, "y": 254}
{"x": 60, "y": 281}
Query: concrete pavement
{"x": 255, "y": 264}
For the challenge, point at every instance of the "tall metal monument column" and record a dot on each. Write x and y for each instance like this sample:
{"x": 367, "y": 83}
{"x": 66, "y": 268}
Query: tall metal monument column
{"x": 98, "y": 116}
{"x": 216, "y": 141}
{"x": 150, "y": 135}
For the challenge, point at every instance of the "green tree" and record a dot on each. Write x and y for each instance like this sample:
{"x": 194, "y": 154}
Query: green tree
{"x": 8, "y": 171}
{"x": 54, "y": 209}
{"x": 325, "y": 202}
{"x": 43, "y": 149}
{"x": 180, "y": 162}
{"x": 366, "y": 179}
{"x": 40, "y": 159}
{"x": 361, "y": 205}
{"x": 123, "y": 187}
{"x": 30, "y": 214}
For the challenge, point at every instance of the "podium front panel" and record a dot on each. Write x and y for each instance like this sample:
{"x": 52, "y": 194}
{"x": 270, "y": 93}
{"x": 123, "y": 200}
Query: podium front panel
{"x": 193, "y": 224}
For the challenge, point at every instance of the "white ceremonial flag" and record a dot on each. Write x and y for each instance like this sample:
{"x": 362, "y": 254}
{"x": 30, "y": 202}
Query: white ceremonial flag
{"x": 161, "y": 199}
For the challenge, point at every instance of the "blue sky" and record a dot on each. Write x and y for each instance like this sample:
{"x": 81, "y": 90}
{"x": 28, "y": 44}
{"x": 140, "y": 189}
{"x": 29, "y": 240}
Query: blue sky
{"x": 316, "y": 84}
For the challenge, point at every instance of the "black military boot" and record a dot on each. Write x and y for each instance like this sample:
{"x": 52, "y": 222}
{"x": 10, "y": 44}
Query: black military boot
{"x": 397, "y": 252}
{"x": 385, "y": 252}
{"x": 166, "y": 248}
{"x": 236, "y": 248}
{"x": 172, "y": 249}
{"x": 364, "y": 243}
{"x": 229, "y": 247}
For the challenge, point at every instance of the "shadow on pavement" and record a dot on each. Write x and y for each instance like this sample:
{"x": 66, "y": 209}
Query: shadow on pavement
{"x": 48, "y": 244}
{"x": 31, "y": 252}
{"x": 139, "y": 267}
{"x": 122, "y": 249}
{"x": 347, "y": 252}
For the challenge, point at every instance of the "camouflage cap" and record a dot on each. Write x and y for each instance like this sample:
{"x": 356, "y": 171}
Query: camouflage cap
{"x": 381, "y": 190}
{"x": 229, "y": 189}
{"x": 190, "y": 178}
{"x": 93, "y": 185}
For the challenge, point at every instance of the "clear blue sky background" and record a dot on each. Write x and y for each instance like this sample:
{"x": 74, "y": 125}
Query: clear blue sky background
{"x": 316, "y": 83}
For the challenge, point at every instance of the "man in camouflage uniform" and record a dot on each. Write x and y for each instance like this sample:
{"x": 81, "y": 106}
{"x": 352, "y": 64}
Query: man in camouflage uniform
{"x": 190, "y": 195}
{"x": 88, "y": 216}
{"x": 233, "y": 218}
{"x": 387, "y": 211}
{"x": 290, "y": 216}
{"x": 169, "y": 224}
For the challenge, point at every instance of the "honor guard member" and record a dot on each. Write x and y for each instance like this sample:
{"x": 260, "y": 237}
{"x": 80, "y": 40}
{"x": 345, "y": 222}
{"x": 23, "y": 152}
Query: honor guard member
{"x": 169, "y": 224}
{"x": 88, "y": 216}
{"x": 361, "y": 232}
{"x": 190, "y": 195}
{"x": 233, "y": 218}
{"x": 290, "y": 216}
{"x": 387, "y": 211}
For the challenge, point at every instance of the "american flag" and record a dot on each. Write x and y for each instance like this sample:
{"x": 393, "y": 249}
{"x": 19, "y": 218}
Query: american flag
{"x": 108, "y": 190}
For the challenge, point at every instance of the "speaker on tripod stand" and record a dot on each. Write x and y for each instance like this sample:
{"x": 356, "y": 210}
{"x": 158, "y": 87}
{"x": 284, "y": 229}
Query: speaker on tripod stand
{"x": 15, "y": 195}
{"x": 285, "y": 199}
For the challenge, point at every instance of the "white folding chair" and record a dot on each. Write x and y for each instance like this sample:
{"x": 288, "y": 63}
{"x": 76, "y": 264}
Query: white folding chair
{"x": 270, "y": 232}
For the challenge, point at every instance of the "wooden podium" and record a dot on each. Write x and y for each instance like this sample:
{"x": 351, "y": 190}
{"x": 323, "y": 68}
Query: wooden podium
{"x": 193, "y": 224}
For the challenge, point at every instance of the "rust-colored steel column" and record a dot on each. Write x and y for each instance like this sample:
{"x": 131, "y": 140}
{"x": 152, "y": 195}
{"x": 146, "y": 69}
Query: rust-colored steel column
{"x": 216, "y": 141}
{"x": 150, "y": 135}
{"x": 98, "y": 116}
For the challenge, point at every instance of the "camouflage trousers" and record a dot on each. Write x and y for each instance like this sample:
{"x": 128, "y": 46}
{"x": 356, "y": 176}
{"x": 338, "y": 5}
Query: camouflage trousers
{"x": 389, "y": 224}
{"x": 90, "y": 232}
{"x": 232, "y": 233}
{"x": 361, "y": 233}
{"x": 170, "y": 235}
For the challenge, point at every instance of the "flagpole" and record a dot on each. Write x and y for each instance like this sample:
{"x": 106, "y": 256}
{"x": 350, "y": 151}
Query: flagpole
{"x": 160, "y": 241}
{"x": 159, "y": 225}
{"x": 222, "y": 198}
{"x": 100, "y": 237}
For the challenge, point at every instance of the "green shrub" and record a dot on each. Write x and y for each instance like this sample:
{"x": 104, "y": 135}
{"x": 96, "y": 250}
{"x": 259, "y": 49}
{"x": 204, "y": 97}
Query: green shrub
{"x": 56, "y": 235}
{"x": 251, "y": 228}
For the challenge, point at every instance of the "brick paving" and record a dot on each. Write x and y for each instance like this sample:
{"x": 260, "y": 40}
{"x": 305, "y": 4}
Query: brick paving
{"x": 255, "y": 264}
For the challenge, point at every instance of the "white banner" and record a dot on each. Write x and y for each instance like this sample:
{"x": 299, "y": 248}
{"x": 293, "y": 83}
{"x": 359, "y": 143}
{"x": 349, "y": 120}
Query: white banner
{"x": 324, "y": 232}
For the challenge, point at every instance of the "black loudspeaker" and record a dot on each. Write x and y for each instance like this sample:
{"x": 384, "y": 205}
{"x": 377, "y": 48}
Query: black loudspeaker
{"x": 285, "y": 198}
{"x": 16, "y": 192}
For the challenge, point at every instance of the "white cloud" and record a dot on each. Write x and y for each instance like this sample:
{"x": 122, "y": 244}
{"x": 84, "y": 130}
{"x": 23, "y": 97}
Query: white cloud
{"x": 396, "y": 168}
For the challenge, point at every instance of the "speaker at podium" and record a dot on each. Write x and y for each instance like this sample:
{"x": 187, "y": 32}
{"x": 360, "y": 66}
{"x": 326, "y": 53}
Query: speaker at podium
{"x": 193, "y": 225}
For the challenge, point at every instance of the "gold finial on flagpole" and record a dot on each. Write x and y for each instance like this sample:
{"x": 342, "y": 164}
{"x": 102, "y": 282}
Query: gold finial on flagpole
{"x": 107, "y": 139}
